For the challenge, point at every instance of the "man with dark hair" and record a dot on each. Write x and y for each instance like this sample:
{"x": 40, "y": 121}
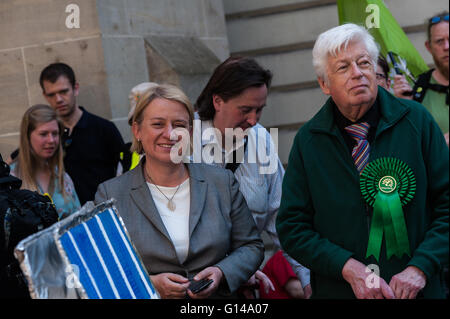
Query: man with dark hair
{"x": 92, "y": 144}
{"x": 232, "y": 101}
{"x": 382, "y": 73}
{"x": 431, "y": 88}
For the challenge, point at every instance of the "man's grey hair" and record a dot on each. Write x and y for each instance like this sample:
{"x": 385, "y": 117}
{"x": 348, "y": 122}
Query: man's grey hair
{"x": 333, "y": 41}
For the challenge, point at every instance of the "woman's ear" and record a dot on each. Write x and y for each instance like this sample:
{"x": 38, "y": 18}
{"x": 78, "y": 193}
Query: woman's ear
{"x": 135, "y": 130}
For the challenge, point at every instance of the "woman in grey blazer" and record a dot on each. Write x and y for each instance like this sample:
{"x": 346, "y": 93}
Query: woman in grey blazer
{"x": 187, "y": 221}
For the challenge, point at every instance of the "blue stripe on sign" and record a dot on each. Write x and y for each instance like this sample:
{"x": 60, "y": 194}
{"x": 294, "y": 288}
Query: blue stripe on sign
{"x": 119, "y": 276}
{"x": 75, "y": 258}
{"x": 116, "y": 259}
{"x": 102, "y": 262}
{"x": 140, "y": 281}
{"x": 106, "y": 258}
{"x": 125, "y": 255}
{"x": 90, "y": 256}
{"x": 113, "y": 247}
{"x": 145, "y": 280}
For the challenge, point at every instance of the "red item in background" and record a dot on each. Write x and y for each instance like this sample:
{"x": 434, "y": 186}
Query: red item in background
{"x": 279, "y": 272}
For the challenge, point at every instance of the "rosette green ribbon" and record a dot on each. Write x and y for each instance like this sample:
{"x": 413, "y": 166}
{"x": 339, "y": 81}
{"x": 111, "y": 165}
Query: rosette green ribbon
{"x": 387, "y": 184}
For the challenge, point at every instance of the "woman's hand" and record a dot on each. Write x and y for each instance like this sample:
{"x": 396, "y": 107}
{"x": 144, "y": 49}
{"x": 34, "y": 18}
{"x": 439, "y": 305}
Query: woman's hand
{"x": 170, "y": 286}
{"x": 213, "y": 273}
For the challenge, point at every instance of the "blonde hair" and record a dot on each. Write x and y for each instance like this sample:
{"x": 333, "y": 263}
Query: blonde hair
{"x": 164, "y": 91}
{"x": 135, "y": 93}
{"x": 27, "y": 161}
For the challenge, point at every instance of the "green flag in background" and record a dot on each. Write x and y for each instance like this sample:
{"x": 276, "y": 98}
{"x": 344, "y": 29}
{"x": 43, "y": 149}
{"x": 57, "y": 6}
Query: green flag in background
{"x": 375, "y": 16}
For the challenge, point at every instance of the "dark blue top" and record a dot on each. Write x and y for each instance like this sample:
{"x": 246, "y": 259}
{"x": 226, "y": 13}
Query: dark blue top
{"x": 92, "y": 153}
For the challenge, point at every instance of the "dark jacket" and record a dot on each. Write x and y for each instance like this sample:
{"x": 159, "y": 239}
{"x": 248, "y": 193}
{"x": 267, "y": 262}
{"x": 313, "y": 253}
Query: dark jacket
{"x": 323, "y": 219}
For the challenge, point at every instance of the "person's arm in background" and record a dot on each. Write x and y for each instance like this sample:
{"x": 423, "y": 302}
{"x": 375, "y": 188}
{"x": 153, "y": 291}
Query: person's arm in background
{"x": 12, "y": 157}
{"x": 247, "y": 248}
{"x": 294, "y": 289}
{"x": 401, "y": 86}
{"x": 116, "y": 146}
{"x": 274, "y": 196}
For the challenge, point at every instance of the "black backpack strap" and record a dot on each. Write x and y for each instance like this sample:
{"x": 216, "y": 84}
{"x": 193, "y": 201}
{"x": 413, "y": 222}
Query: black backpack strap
{"x": 441, "y": 89}
{"x": 421, "y": 86}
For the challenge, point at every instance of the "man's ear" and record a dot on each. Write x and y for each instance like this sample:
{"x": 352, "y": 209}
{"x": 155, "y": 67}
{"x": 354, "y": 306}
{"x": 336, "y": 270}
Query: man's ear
{"x": 76, "y": 89}
{"x": 217, "y": 102}
{"x": 323, "y": 86}
{"x": 428, "y": 46}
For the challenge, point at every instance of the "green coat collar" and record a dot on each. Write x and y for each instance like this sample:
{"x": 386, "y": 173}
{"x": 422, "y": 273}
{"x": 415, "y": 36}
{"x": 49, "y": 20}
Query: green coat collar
{"x": 391, "y": 109}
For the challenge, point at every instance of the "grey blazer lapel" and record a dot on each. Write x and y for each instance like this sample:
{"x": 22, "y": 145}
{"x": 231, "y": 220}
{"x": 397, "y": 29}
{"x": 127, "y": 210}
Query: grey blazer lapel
{"x": 198, "y": 196}
{"x": 143, "y": 199}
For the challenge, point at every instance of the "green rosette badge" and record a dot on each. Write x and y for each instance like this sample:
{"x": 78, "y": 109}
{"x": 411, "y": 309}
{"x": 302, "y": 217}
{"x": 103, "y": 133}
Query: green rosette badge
{"x": 387, "y": 184}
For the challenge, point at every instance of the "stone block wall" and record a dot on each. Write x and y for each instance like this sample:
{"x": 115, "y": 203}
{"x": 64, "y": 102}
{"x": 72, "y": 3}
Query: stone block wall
{"x": 108, "y": 53}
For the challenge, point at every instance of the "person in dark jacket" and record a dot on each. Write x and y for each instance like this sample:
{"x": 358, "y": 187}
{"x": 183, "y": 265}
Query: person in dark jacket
{"x": 327, "y": 218}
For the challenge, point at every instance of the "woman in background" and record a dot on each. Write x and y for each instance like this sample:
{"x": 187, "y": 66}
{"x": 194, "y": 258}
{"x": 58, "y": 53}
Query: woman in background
{"x": 40, "y": 161}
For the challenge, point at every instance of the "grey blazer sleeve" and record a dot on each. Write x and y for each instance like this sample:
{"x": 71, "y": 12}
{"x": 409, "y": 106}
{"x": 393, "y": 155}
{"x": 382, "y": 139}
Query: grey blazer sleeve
{"x": 247, "y": 248}
{"x": 100, "y": 195}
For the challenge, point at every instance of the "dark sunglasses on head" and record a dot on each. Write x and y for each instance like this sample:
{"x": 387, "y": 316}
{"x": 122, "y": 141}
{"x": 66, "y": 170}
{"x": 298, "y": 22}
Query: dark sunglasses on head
{"x": 438, "y": 19}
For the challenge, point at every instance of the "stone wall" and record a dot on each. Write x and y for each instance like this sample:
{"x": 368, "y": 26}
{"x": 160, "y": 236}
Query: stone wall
{"x": 113, "y": 50}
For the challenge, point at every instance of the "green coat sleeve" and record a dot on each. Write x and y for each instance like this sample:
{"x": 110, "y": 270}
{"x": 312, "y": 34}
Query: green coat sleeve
{"x": 433, "y": 252}
{"x": 295, "y": 222}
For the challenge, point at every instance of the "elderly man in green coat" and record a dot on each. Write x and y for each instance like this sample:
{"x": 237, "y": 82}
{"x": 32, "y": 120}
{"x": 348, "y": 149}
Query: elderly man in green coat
{"x": 365, "y": 198}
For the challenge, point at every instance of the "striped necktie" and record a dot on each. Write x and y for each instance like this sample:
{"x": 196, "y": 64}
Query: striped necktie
{"x": 360, "y": 152}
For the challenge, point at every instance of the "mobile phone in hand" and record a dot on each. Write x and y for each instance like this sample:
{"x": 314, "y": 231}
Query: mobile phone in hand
{"x": 198, "y": 285}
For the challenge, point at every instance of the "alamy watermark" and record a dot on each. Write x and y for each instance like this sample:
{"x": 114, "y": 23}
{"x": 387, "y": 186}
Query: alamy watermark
{"x": 373, "y": 19}
{"x": 373, "y": 280}
{"x": 73, "y": 275}
{"x": 73, "y": 19}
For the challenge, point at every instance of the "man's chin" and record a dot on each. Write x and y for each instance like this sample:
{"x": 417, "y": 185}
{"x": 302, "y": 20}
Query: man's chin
{"x": 244, "y": 127}
{"x": 64, "y": 112}
{"x": 366, "y": 99}
{"x": 442, "y": 66}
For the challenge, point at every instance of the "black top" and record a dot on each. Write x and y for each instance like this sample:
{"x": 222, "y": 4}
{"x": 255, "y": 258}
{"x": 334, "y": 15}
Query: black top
{"x": 92, "y": 153}
{"x": 372, "y": 117}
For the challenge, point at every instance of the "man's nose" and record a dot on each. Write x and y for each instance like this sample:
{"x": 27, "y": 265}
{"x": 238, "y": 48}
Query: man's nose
{"x": 58, "y": 97}
{"x": 252, "y": 118}
{"x": 355, "y": 71}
